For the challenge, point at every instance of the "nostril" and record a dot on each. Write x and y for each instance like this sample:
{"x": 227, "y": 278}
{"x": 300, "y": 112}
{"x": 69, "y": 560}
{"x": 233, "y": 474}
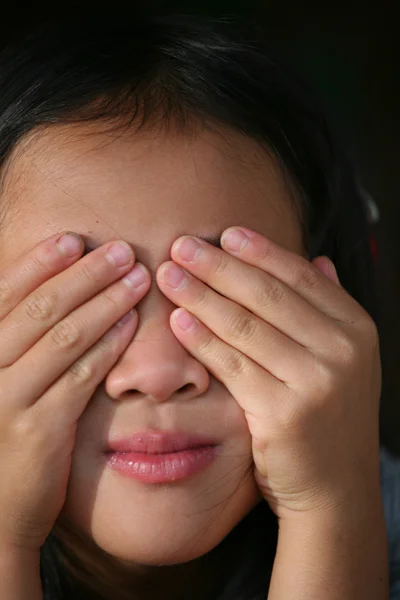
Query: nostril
{"x": 185, "y": 388}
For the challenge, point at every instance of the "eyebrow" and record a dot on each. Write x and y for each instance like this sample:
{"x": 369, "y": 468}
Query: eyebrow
{"x": 214, "y": 240}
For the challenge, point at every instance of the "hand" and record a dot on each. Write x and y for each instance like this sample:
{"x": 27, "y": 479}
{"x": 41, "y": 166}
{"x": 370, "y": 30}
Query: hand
{"x": 55, "y": 349}
{"x": 298, "y": 354}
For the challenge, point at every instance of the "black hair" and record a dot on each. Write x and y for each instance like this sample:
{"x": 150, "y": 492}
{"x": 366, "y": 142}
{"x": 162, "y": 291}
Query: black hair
{"x": 218, "y": 72}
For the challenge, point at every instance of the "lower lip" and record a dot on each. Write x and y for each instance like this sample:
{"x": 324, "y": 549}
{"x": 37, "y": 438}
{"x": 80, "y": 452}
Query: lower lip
{"x": 162, "y": 468}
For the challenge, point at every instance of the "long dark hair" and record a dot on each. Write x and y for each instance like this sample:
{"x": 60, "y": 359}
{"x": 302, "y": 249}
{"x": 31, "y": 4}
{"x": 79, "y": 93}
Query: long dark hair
{"x": 146, "y": 70}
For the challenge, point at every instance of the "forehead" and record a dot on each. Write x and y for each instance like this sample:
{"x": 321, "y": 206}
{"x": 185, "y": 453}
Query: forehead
{"x": 147, "y": 188}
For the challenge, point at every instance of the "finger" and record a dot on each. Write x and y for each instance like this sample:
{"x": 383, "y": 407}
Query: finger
{"x": 326, "y": 266}
{"x": 68, "y": 340}
{"x": 265, "y": 296}
{"x": 54, "y": 299}
{"x": 293, "y": 270}
{"x": 255, "y": 338}
{"x": 68, "y": 396}
{"x": 29, "y": 271}
{"x": 255, "y": 389}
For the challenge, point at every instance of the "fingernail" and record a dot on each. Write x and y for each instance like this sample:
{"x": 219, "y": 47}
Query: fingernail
{"x": 174, "y": 276}
{"x": 234, "y": 239}
{"x": 69, "y": 244}
{"x": 189, "y": 249}
{"x": 185, "y": 320}
{"x": 126, "y": 318}
{"x": 119, "y": 254}
{"x": 136, "y": 277}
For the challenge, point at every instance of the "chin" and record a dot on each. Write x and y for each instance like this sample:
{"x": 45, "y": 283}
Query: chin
{"x": 161, "y": 524}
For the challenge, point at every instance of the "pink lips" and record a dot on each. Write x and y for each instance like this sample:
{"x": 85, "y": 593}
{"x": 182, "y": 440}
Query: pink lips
{"x": 159, "y": 442}
{"x": 161, "y": 457}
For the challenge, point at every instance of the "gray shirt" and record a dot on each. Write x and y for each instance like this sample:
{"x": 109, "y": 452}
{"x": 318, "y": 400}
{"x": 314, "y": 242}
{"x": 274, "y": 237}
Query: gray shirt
{"x": 390, "y": 482}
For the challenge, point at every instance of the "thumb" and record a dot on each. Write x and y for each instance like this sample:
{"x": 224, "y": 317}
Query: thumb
{"x": 326, "y": 266}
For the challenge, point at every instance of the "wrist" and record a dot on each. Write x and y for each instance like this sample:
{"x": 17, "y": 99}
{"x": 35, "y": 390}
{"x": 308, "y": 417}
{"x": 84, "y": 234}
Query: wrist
{"x": 355, "y": 505}
{"x": 361, "y": 520}
{"x": 335, "y": 553}
{"x": 13, "y": 552}
{"x": 20, "y": 573}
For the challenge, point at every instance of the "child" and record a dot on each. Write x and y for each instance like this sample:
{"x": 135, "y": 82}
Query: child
{"x": 232, "y": 456}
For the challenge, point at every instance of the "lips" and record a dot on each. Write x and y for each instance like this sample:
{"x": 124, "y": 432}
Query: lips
{"x": 158, "y": 442}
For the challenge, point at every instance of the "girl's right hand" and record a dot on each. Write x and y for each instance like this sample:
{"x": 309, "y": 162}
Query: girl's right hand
{"x": 56, "y": 347}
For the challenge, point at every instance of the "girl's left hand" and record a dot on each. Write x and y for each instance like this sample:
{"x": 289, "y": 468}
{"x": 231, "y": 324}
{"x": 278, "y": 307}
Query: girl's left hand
{"x": 299, "y": 355}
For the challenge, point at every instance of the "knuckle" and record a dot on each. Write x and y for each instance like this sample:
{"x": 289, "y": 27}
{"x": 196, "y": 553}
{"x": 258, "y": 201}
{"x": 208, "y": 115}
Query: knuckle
{"x": 242, "y": 325}
{"x": 24, "y": 428}
{"x": 369, "y": 330}
{"x": 324, "y": 381}
{"x": 28, "y": 427}
{"x": 269, "y": 292}
{"x": 347, "y": 348}
{"x": 82, "y": 372}
{"x": 231, "y": 363}
{"x": 109, "y": 297}
{"x": 207, "y": 346}
{"x": 264, "y": 249}
{"x": 234, "y": 364}
{"x": 374, "y": 335}
{"x": 200, "y": 298}
{"x": 88, "y": 272}
{"x": 5, "y": 291}
{"x": 39, "y": 265}
{"x": 40, "y": 307}
{"x": 221, "y": 264}
{"x": 66, "y": 334}
{"x": 306, "y": 278}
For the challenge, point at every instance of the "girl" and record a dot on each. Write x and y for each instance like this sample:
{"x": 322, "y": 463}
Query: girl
{"x": 221, "y": 441}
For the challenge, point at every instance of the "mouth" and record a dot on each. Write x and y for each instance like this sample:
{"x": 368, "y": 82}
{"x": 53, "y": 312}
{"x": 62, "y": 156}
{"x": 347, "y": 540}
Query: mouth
{"x": 159, "y": 442}
{"x": 161, "y": 457}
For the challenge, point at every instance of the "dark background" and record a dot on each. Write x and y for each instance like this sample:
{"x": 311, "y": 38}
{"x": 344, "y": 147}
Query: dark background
{"x": 351, "y": 54}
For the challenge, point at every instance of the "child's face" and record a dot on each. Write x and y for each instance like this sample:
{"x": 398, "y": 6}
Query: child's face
{"x": 149, "y": 189}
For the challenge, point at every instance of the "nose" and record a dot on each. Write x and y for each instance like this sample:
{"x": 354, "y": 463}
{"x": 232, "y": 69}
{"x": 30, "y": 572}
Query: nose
{"x": 155, "y": 364}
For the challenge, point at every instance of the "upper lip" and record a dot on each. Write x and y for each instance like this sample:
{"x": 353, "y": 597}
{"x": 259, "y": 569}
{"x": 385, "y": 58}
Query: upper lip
{"x": 158, "y": 442}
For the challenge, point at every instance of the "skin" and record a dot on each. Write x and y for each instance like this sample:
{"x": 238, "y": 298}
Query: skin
{"x": 279, "y": 356}
{"x": 148, "y": 190}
